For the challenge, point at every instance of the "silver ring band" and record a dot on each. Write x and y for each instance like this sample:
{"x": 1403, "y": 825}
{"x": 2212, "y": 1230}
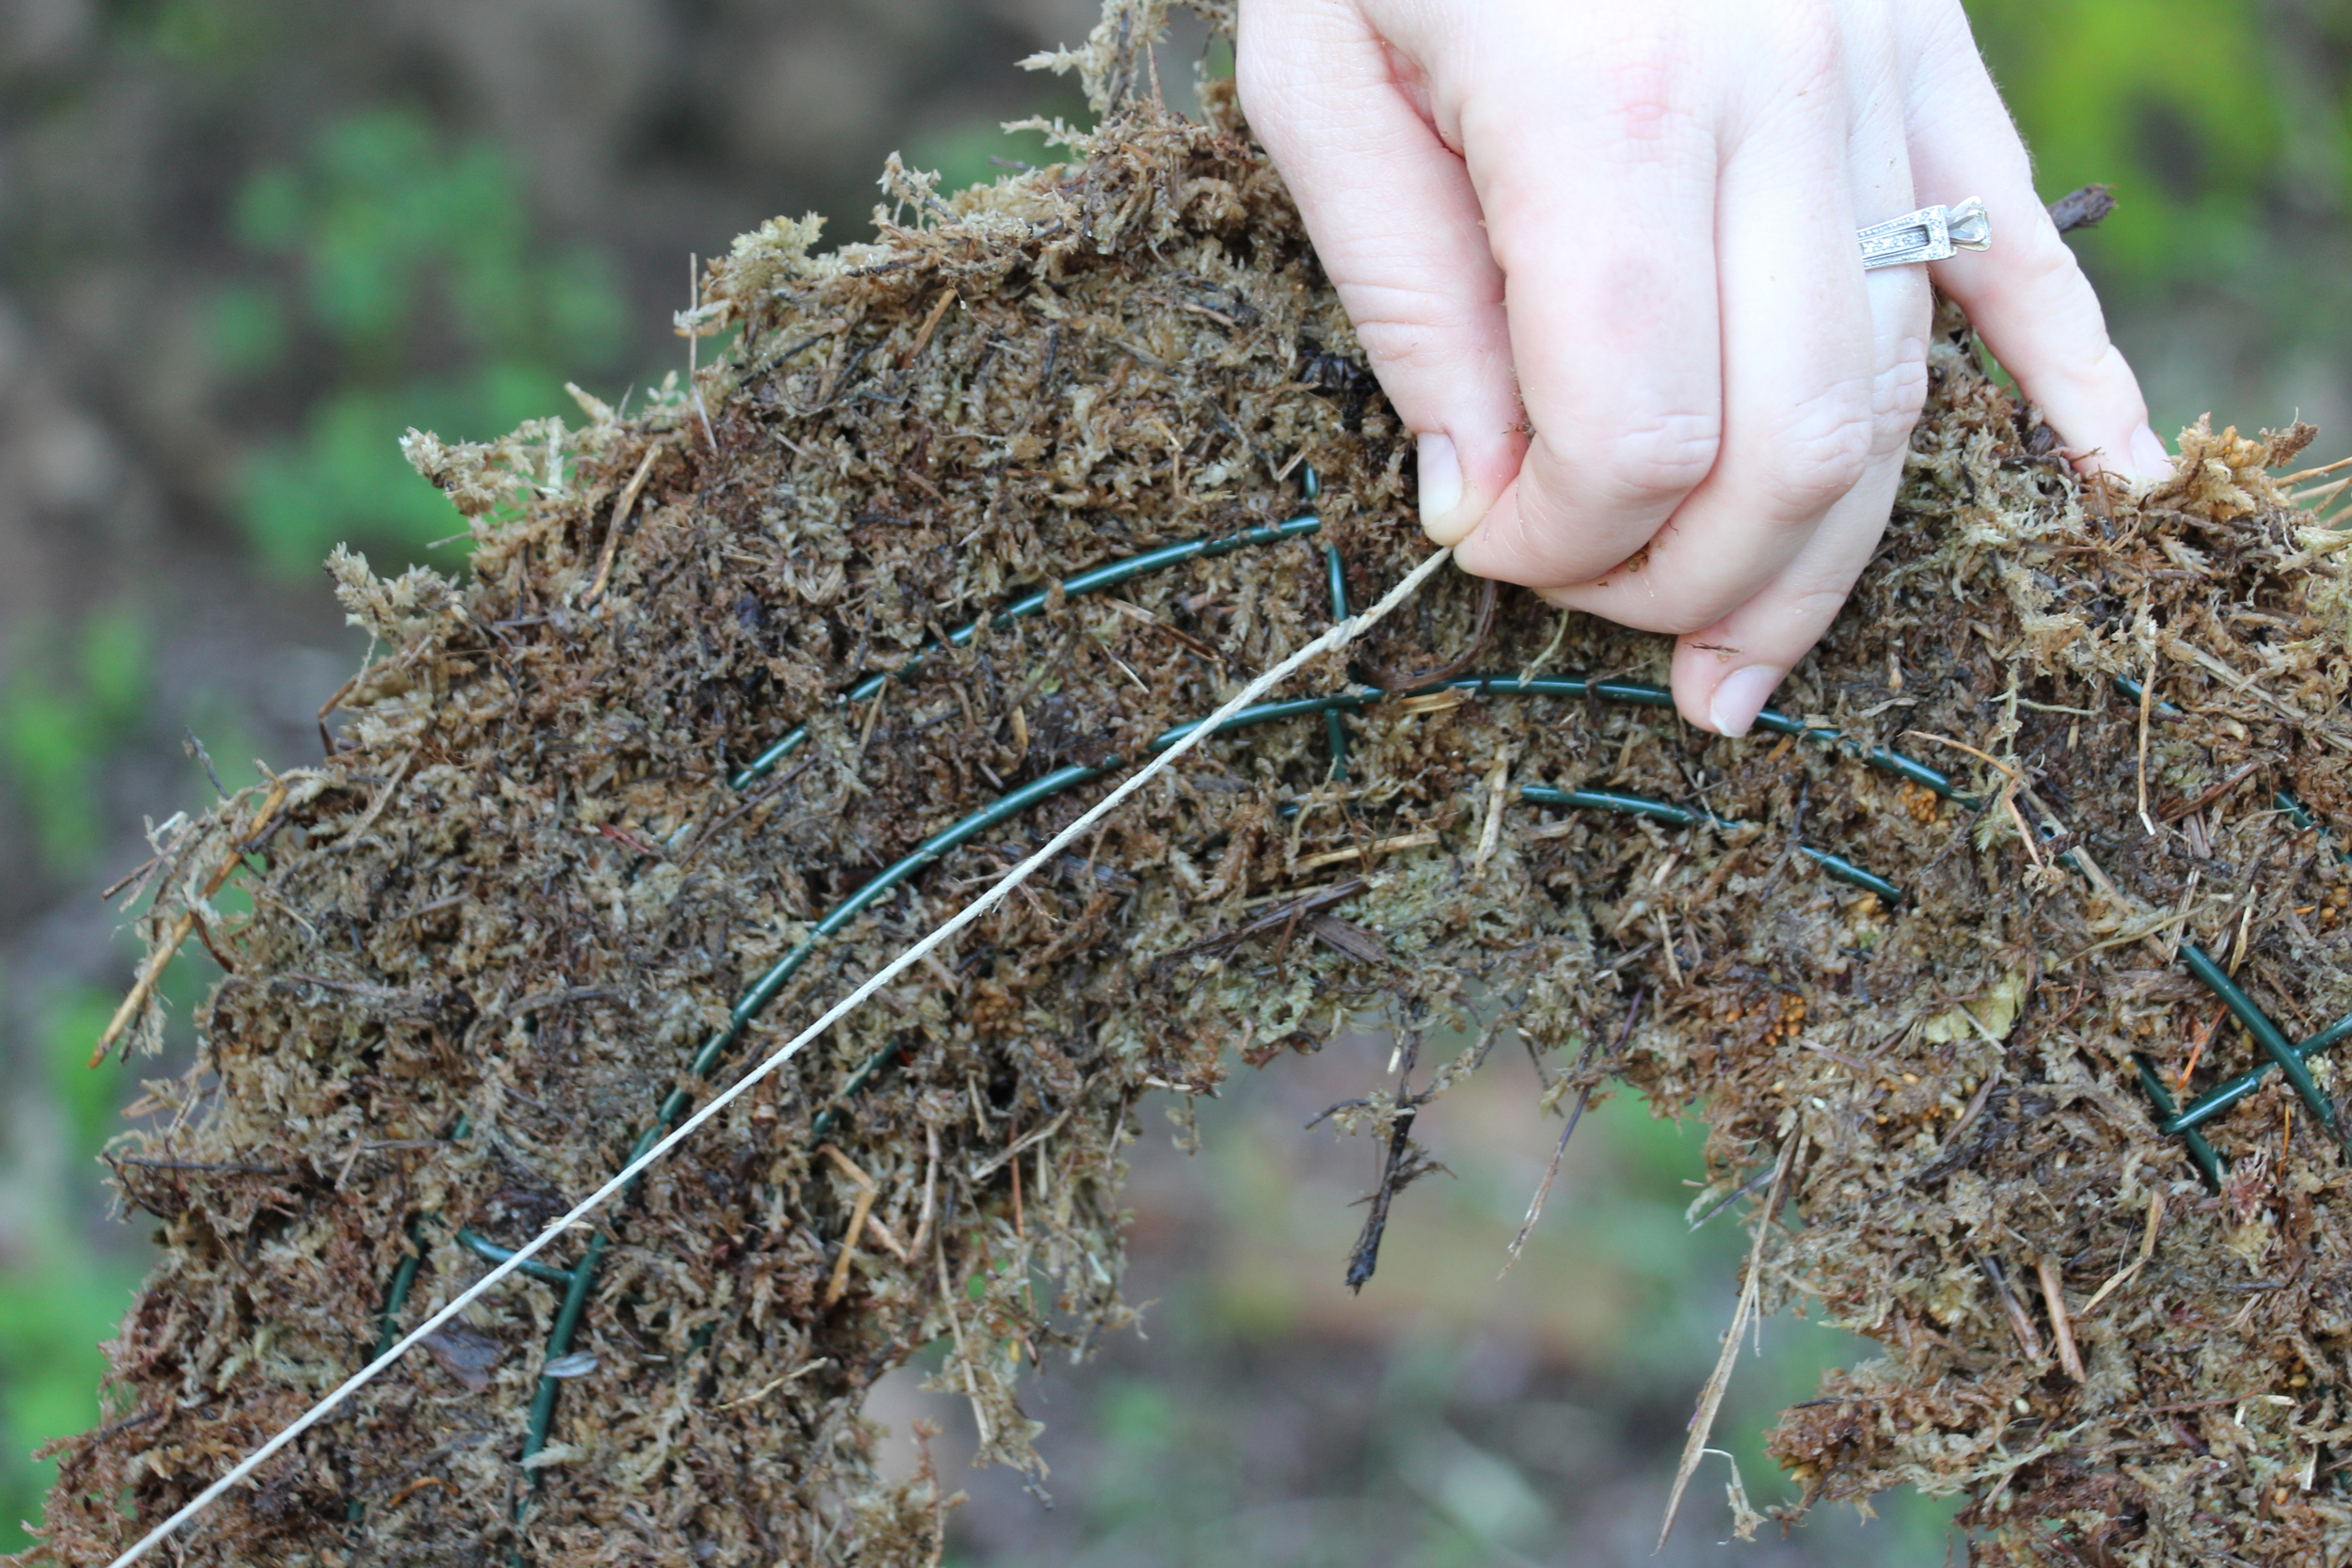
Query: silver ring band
{"x": 1929, "y": 234}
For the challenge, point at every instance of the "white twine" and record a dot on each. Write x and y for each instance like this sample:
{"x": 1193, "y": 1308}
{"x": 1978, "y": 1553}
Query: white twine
{"x": 1339, "y": 636}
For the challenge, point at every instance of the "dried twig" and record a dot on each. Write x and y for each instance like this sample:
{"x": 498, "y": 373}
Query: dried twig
{"x": 1712, "y": 1396}
{"x": 840, "y": 1280}
{"x": 1365, "y": 851}
{"x": 1963, "y": 746}
{"x": 153, "y": 969}
{"x": 2147, "y": 1250}
{"x": 1275, "y": 919}
{"x": 2179, "y": 809}
{"x": 620, "y": 519}
{"x": 1497, "y": 795}
{"x": 1583, "y": 1098}
{"x": 2020, "y": 1322}
{"x": 964, "y": 1352}
{"x": 2054, "y": 1297}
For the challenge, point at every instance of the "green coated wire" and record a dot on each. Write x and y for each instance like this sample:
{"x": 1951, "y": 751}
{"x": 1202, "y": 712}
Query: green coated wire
{"x": 2266, "y": 1034}
{"x": 2289, "y": 1059}
{"x": 1837, "y": 867}
{"x": 489, "y": 1251}
{"x": 2130, "y": 692}
{"x": 568, "y": 1317}
{"x": 1614, "y": 801}
{"x": 2208, "y": 1163}
{"x": 1647, "y": 694}
{"x": 932, "y": 850}
{"x": 578, "y": 1282}
{"x": 771, "y": 984}
{"x": 1093, "y": 581}
{"x": 2213, "y": 1102}
{"x": 2220, "y": 1099}
{"x": 1844, "y": 870}
{"x": 404, "y": 1280}
{"x": 855, "y": 1086}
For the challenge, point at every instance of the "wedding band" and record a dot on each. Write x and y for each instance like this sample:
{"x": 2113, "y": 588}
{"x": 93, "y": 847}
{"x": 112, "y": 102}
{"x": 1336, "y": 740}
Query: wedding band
{"x": 1929, "y": 234}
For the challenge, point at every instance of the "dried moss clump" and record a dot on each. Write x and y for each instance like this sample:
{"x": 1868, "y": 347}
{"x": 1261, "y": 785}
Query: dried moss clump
{"x": 504, "y": 929}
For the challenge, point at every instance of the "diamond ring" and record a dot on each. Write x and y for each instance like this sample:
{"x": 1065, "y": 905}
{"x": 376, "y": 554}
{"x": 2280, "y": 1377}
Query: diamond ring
{"x": 1929, "y": 234}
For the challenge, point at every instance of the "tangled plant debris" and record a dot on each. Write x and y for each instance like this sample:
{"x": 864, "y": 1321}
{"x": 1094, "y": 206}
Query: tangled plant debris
{"x": 748, "y": 689}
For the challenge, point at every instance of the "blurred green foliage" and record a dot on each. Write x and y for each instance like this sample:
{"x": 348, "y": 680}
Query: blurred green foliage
{"x": 2172, "y": 102}
{"x": 67, "y": 705}
{"x": 1170, "y": 1466}
{"x": 59, "y": 1295}
{"x": 409, "y": 268}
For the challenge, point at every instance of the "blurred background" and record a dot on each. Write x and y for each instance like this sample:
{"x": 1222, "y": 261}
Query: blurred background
{"x": 245, "y": 244}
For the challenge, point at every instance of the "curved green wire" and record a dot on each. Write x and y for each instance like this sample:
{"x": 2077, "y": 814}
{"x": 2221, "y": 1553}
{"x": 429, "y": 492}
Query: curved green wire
{"x": 2223, "y": 1097}
{"x": 2266, "y": 1034}
{"x": 1093, "y": 581}
{"x": 2212, "y": 1104}
{"x": 2208, "y": 1163}
{"x": 489, "y": 1251}
{"x": 578, "y": 1281}
{"x": 932, "y": 850}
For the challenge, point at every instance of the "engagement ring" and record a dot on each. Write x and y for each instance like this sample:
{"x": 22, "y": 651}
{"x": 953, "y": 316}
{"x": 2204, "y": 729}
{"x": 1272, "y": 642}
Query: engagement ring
{"x": 1929, "y": 234}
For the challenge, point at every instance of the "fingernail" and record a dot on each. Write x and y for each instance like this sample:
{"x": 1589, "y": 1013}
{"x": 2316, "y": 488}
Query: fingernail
{"x": 1741, "y": 697}
{"x": 2149, "y": 458}
{"x": 1440, "y": 487}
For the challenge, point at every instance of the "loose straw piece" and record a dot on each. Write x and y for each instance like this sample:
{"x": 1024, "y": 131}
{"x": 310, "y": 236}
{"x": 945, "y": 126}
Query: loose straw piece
{"x": 152, "y": 970}
{"x": 1339, "y": 636}
{"x": 2147, "y": 1250}
{"x": 2054, "y": 1297}
{"x": 1712, "y": 1396}
{"x": 627, "y": 504}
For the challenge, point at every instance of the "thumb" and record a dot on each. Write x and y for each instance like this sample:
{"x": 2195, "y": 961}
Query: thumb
{"x": 1397, "y": 227}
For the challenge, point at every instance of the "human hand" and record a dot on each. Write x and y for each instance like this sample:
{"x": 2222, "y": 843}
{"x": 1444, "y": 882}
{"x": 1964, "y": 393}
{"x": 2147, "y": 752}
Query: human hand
{"x": 1602, "y": 259}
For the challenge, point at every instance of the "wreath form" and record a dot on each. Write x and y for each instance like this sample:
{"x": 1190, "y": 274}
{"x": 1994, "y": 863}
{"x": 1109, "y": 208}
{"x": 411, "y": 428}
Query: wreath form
{"x": 578, "y": 1283}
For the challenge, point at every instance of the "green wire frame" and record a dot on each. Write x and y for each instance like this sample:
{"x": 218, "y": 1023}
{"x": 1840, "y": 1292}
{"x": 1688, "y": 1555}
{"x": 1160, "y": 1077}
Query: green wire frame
{"x": 578, "y": 1282}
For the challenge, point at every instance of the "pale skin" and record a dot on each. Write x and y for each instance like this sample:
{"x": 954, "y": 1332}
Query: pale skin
{"x": 1601, "y": 256}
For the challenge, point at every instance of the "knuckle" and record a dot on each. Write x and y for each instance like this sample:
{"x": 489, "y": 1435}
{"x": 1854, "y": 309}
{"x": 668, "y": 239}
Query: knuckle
{"x": 1819, "y": 452}
{"x": 2047, "y": 268}
{"x": 1409, "y": 329}
{"x": 1811, "y": 36}
{"x": 1636, "y": 75}
{"x": 1372, "y": 293}
{"x": 1901, "y": 393}
{"x": 1662, "y": 457}
{"x": 1813, "y": 605}
{"x": 1639, "y": 88}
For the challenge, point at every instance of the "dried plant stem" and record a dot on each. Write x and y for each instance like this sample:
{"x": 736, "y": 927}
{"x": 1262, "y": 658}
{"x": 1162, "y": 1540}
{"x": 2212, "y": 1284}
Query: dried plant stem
{"x": 1583, "y": 1098}
{"x": 2054, "y": 1297}
{"x": 2147, "y": 1250}
{"x": 621, "y": 510}
{"x": 1712, "y": 1396}
{"x": 160, "y": 959}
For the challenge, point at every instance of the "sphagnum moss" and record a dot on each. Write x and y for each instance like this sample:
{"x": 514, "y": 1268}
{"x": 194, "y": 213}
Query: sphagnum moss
{"x": 2070, "y": 736}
